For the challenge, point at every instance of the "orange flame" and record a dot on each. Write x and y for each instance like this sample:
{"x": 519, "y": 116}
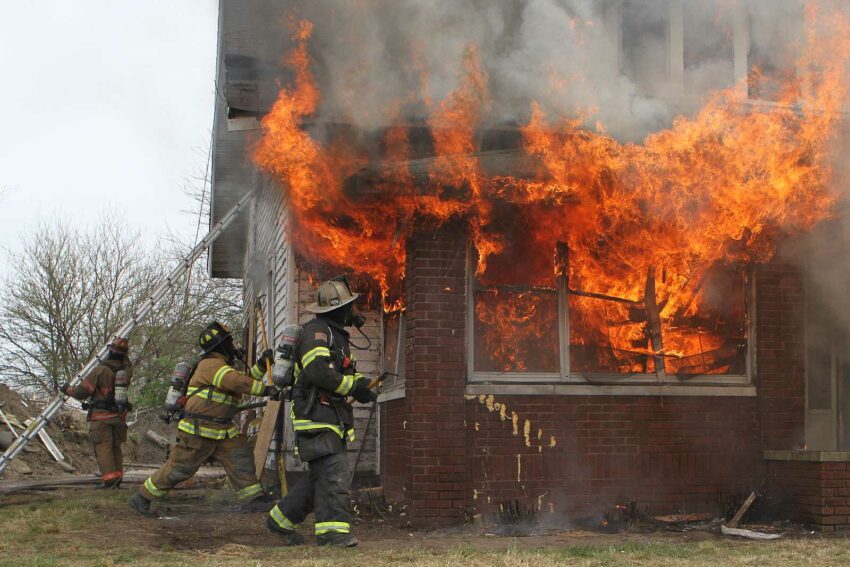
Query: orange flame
{"x": 713, "y": 191}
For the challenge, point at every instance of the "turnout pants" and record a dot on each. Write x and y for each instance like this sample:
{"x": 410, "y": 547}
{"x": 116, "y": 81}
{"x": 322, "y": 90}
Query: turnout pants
{"x": 191, "y": 451}
{"x": 107, "y": 436}
{"x": 323, "y": 491}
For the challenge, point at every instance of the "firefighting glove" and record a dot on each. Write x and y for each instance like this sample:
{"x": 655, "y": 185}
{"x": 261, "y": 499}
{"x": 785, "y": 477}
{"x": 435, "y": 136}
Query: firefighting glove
{"x": 268, "y": 391}
{"x": 362, "y": 393}
{"x": 268, "y": 355}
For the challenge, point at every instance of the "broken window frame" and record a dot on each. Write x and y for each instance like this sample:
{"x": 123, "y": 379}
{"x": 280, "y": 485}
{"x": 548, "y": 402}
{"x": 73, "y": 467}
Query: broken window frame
{"x": 394, "y": 386}
{"x": 671, "y": 80}
{"x": 566, "y": 376}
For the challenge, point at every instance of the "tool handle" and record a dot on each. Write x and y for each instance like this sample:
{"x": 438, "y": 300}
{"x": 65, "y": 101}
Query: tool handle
{"x": 265, "y": 341}
{"x": 376, "y": 381}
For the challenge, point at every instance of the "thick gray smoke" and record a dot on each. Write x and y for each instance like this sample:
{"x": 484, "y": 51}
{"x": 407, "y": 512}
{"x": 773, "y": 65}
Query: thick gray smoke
{"x": 618, "y": 59}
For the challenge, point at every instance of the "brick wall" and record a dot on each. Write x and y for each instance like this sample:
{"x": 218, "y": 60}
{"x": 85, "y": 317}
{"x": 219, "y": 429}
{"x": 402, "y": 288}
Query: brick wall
{"x": 577, "y": 455}
{"x": 780, "y": 355}
{"x": 816, "y": 493}
{"x": 395, "y": 450}
{"x": 584, "y": 454}
{"x": 435, "y": 372}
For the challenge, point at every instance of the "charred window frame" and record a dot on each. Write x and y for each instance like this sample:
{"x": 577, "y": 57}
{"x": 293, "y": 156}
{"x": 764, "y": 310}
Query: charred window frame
{"x": 771, "y": 49}
{"x": 566, "y": 375}
{"x": 394, "y": 356}
{"x": 649, "y": 43}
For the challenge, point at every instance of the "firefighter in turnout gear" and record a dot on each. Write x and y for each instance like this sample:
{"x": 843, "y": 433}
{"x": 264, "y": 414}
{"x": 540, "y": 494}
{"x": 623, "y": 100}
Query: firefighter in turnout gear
{"x": 323, "y": 420}
{"x": 206, "y": 431}
{"x": 107, "y": 413}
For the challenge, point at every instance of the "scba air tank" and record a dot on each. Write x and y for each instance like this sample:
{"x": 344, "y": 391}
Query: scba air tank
{"x": 179, "y": 380}
{"x": 282, "y": 370}
{"x": 122, "y": 380}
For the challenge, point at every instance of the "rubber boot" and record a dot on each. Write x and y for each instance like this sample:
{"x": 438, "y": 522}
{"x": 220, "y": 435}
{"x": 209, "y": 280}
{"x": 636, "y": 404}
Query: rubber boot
{"x": 337, "y": 539}
{"x": 289, "y": 537}
{"x": 262, "y": 503}
{"x": 141, "y": 505}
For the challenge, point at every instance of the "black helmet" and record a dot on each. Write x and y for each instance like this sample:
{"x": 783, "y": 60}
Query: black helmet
{"x": 213, "y": 335}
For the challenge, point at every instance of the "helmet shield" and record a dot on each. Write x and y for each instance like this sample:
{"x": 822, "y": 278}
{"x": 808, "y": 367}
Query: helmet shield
{"x": 213, "y": 335}
{"x": 331, "y": 295}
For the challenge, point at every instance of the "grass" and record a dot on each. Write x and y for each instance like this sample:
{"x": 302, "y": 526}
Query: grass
{"x": 86, "y": 527}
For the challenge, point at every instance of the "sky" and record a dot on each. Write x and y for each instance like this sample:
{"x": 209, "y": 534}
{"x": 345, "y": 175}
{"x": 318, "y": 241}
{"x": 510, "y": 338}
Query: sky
{"x": 107, "y": 110}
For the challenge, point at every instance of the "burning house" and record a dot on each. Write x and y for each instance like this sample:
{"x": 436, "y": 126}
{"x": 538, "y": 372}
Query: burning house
{"x": 603, "y": 242}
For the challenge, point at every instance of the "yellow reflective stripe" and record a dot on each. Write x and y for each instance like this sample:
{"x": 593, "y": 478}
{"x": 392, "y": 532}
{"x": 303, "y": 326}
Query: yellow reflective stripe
{"x": 257, "y": 388}
{"x": 311, "y": 355}
{"x": 219, "y": 376}
{"x": 351, "y": 436}
{"x": 257, "y": 372}
{"x": 281, "y": 520}
{"x": 338, "y": 527}
{"x": 308, "y": 425}
{"x": 358, "y": 376}
{"x": 249, "y": 491}
{"x": 345, "y": 384}
{"x": 216, "y": 396}
{"x": 151, "y": 487}
{"x": 188, "y": 426}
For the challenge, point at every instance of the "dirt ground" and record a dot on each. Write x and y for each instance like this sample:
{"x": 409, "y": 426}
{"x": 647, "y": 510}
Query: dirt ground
{"x": 201, "y": 526}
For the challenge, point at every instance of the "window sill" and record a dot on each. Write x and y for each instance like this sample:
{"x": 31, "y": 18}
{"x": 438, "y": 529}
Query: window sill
{"x": 808, "y": 456}
{"x": 395, "y": 394}
{"x": 574, "y": 389}
{"x": 607, "y": 379}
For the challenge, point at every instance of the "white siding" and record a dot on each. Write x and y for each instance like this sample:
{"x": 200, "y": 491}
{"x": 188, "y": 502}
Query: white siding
{"x": 271, "y": 274}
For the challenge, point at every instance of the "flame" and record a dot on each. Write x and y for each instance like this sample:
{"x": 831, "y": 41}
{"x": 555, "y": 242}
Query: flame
{"x": 659, "y": 225}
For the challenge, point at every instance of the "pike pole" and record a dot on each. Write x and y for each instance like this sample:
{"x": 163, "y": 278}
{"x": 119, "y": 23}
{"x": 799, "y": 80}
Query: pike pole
{"x": 124, "y": 331}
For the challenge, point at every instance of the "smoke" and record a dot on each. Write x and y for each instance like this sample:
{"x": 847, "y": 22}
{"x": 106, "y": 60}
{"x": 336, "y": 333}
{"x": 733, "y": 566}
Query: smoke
{"x": 380, "y": 60}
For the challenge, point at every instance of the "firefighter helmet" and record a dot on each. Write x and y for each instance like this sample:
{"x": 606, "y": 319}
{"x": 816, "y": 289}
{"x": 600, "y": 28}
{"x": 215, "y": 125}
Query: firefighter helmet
{"x": 332, "y": 295}
{"x": 119, "y": 345}
{"x": 213, "y": 335}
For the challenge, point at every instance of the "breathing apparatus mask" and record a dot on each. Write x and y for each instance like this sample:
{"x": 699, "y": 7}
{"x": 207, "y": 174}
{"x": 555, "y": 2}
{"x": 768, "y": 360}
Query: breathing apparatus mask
{"x": 353, "y": 317}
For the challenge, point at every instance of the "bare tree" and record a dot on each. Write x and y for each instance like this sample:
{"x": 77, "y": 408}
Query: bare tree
{"x": 71, "y": 289}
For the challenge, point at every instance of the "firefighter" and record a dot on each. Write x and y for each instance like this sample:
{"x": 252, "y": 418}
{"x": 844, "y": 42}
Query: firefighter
{"x": 206, "y": 431}
{"x": 323, "y": 420}
{"x": 107, "y": 419}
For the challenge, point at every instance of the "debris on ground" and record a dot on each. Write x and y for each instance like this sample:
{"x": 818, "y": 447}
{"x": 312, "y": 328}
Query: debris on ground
{"x": 750, "y": 534}
{"x": 733, "y": 523}
{"x": 684, "y": 518}
{"x": 68, "y": 430}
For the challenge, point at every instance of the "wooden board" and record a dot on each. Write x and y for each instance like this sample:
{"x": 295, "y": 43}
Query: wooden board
{"x": 265, "y": 435}
{"x": 743, "y": 510}
{"x": 48, "y": 443}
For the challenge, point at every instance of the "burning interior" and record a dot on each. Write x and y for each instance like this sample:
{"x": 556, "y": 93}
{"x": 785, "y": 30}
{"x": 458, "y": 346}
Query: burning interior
{"x": 588, "y": 255}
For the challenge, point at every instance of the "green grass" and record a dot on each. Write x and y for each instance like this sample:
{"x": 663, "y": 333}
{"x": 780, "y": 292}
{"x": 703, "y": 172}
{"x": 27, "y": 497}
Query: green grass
{"x": 58, "y": 531}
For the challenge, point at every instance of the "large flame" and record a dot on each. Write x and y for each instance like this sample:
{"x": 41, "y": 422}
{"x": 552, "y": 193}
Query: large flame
{"x": 675, "y": 217}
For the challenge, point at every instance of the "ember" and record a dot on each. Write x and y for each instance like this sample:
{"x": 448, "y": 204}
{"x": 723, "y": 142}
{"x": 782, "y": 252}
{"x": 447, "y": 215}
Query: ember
{"x": 654, "y": 240}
